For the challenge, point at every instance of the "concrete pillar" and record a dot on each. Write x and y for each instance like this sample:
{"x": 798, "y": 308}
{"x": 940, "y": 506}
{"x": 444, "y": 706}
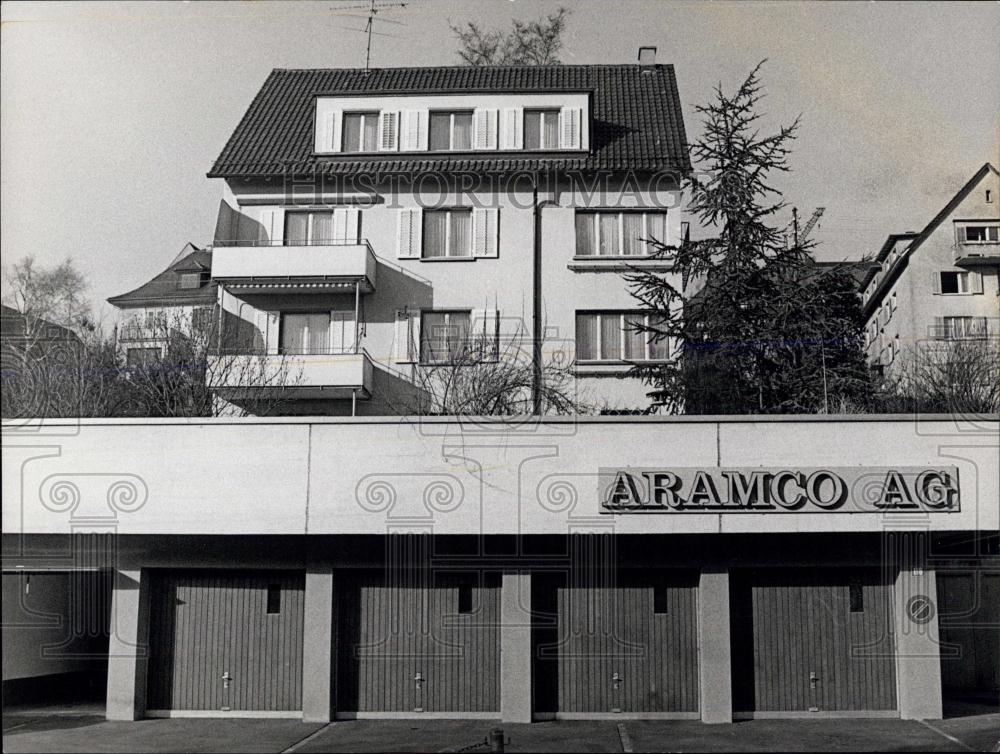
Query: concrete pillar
{"x": 128, "y": 646}
{"x": 918, "y": 653}
{"x": 715, "y": 666}
{"x": 318, "y": 647}
{"x": 515, "y": 648}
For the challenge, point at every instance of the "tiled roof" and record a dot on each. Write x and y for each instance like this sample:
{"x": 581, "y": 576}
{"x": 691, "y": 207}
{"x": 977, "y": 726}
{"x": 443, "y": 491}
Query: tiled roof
{"x": 162, "y": 290}
{"x": 637, "y": 121}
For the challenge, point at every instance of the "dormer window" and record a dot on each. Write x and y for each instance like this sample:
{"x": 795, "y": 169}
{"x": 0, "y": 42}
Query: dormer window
{"x": 189, "y": 280}
{"x": 541, "y": 129}
{"x": 451, "y": 130}
{"x": 360, "y": 132}
{"x": 982, "y": 233}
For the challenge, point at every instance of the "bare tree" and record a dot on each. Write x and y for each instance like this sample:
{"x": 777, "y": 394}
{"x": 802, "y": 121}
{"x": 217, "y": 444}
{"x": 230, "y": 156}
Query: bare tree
{"x": 492, "y": 375}
{"x": 527, "y": 43}
{"x": 55, "y": 295}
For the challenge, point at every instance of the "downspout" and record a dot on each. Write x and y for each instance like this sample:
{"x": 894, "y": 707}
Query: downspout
{"x": 536, "y": 305}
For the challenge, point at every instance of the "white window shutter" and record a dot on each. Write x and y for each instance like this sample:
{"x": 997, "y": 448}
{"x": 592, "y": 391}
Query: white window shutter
{"x": 976, "y": 282}
{"x": 939, "y": 331}
{"x": 388, "y": 128}
{"x": 343, "y": 332}
{"x": 569, "y": 127}
{"x": 485, "y": 232}
{"x": 512, "y": 129}
{"x": 271, "y": 225}
{"x": 484, "y": 124}
{"x": 339, "y": 225}
{"x": 936, "y": 281}
{"x": 328, "y": 131}
{"x": 414, "y": 131}
{"x": 406, "y": 338}
{"x": 409, "y": 233}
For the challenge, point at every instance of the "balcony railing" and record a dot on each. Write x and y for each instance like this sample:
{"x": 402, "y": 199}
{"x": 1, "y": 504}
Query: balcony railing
{"x": 313, "y": 375}
{"x": 315, "y": 264}
{"x": 977, "y": 252}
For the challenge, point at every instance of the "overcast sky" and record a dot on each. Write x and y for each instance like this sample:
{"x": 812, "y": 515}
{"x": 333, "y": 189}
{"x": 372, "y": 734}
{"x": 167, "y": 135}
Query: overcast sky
{"x": 112, "y": 113}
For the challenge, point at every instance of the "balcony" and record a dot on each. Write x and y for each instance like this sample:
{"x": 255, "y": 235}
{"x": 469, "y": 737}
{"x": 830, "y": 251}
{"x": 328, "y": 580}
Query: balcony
{"x": 271, "y": 267}
{"x": 973, "y": 253}
{"x": 342, "y": 376}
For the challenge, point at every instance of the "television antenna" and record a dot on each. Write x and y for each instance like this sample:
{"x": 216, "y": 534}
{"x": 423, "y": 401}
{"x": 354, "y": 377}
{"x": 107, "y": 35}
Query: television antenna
{"x": 373, "y": 8}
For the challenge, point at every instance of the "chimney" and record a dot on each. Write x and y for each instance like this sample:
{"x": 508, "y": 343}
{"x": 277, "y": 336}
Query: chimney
{"x": 647, "y": 56}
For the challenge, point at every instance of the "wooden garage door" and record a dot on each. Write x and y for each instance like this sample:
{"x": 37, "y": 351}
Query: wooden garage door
{"x": 812, "y": 641}
{"x": 629, "y": 648}
{"x": 445, "y": 632}
{"x": 970, "y": 631}
{"x": 210, "y": 627}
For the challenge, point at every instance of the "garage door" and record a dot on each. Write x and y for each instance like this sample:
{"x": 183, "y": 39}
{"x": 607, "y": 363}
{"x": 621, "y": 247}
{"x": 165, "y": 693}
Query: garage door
{"x": 407, "y": 646}
{"x": 227, "y": 642}
{"x": 812, "y": 641}
{"x": 970, "y": 637}
{"x": 627, "y": 648}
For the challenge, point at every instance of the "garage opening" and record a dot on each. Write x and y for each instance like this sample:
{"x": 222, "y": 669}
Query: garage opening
{"x": 226, "y": 643}
{"x": 812, "y": 641}
{"x": 628, "y": 647}
{"x": 420, "y": 642}
{"x": 55, "y": 639}
{"x": 969, "y": 603}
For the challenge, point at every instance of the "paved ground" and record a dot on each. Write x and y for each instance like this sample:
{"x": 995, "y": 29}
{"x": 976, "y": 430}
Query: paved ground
{"x": 85, "y": 731}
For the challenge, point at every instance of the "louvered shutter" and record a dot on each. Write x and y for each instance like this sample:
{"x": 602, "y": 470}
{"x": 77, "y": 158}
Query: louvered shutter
{"x": 569, "y": 127}
{"x": 485, "y": 233}
{"x": 936, "y": 281}
{"x": 414, "y": 131}
{"x": 939, "y": 329}
{"x": 328, "y": 131}
{"x": 511, "y": 134}
{"x": 406, "y": 339}
{"x": 345, "y": 224}
{"x": 484, "y": 123}
{"x": 270, "y": 230}
{"x": 976, "y": 282}
{"x": 388, "y": 128}
{"x": 409, "y": 234}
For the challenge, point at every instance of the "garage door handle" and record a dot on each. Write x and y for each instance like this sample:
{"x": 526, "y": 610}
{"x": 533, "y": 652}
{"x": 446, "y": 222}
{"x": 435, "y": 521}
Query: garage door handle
{"x": 226, "y": 678}
{"x": 813, "y": 679}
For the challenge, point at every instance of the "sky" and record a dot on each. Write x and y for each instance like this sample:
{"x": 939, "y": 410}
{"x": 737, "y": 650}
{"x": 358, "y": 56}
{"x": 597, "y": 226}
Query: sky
{"x": 111, "y": 114}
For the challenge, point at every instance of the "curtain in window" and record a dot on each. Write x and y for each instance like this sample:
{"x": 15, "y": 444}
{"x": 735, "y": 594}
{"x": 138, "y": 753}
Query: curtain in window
{"x": 586, "y": 337}
{"x": 352, "y": 132}
{"x": 656, "y": 227}
{"x": 342, "y": 332}
{"x": 550, "y": 132}
{"x": 458, "y": 334}
{"x": 635, "y": 341}
{"x": 462, "y": 137}
{"x": 432, "y": 331}
{"x": 319, "y": 333}
{"x": 461, "y": 234}
{"x": 440, "y": 131}
{"x": 632, "y": 232}
{"x": 371, "y": 133}
{"x": 296, "y": 228}
{"x": 609, "y": 234}
{"x": 532, "y": 130}
{"x": 584, "y": 234}
{"x": 293, "y": 333}
{"x": 322, "y": 230}
{"x": 658, "y": 349}
{"x": 611, "y": 336}
{"x": 435, "y": 233}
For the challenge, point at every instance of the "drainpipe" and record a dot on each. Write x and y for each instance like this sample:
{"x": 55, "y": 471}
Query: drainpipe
{"x": 536, "y": 306}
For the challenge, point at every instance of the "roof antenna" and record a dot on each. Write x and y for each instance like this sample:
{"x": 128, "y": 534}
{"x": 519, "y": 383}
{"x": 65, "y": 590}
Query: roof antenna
{"x": 374, "y": 9}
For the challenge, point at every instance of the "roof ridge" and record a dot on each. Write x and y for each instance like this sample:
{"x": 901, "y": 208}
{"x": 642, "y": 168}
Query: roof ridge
{"x": 521, "y": 66}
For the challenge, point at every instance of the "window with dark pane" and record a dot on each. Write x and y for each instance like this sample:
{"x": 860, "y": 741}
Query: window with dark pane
{"x": 464, "y": 598}
{"x": 856, "y": 597}
{"x": 273, "y": 599}
{"x": 660, "y": 600}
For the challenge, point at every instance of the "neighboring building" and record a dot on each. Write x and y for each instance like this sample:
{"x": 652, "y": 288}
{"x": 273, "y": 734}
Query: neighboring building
{"x": 940, "y": 284}
{"x": 21, "y": 334}
{"x": 183, "y": 296}
{"x": 376, "y": 221}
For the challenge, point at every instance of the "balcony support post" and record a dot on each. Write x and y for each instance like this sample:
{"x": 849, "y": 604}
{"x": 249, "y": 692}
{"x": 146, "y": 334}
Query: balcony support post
{"x": 354, "y": 403}
{"x": 357, "y": 314}
{"x": 218, "y": 335}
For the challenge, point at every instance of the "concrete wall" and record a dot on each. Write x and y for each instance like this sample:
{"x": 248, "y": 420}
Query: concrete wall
{"x": 292, "y": 476}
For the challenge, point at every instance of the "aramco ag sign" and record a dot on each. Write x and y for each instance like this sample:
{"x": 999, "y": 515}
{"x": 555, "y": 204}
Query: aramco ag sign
{"x": 852, "y": 489}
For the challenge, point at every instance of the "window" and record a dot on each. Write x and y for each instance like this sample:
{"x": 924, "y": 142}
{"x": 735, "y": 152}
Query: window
{"x": 856, "y": 597}
{"x": 189, "y": 280}
{"x": 660, "y": 600}
{"x": 308, "y": 228}
{"x": 893, "y": 301}
{"x": 618, "y": 234}
{"x": 989, "y": 196}
{"x": 464, "y": 598}
{"x": 958, "y": 328}
{"x": 955, "y": 282}
{"x": 541, "y": 129}
{"x": 613, "y": 336}
{"x": 447, "y": 233}
{"x": 202, "y": 319}
{"x": 443, "y": 336}
{"x": 360, "y": 133}
{"x": 140, "y": 357}
{"x": 982, "y": 233}
{"x": 450, "y": 131}
{"x": 273, "y": 599}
